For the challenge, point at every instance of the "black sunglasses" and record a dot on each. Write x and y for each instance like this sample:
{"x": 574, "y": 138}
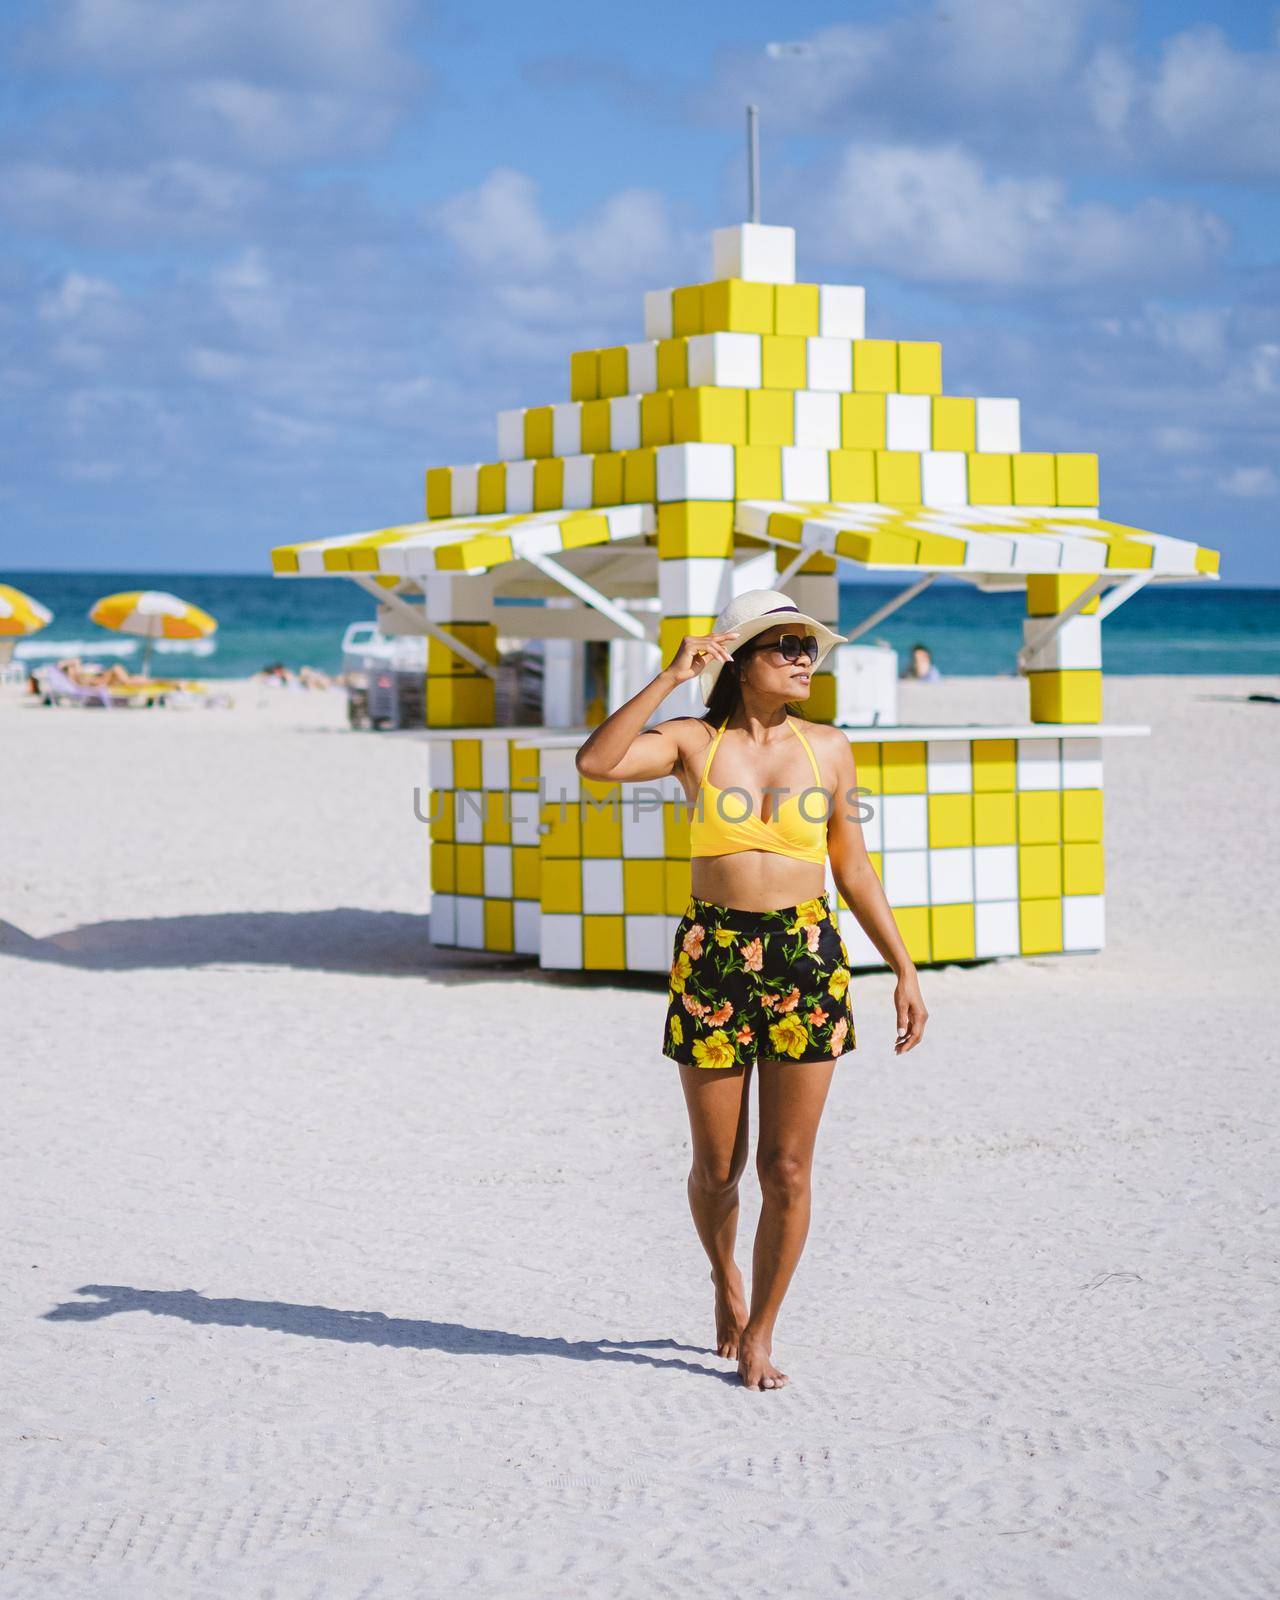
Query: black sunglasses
{"x": 790, "y": 646}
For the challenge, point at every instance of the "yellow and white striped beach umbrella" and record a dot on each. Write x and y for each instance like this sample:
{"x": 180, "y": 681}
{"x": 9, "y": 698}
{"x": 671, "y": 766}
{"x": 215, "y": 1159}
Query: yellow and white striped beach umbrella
{"x": 19, "y": 615}
{"x": 152, "y": 614}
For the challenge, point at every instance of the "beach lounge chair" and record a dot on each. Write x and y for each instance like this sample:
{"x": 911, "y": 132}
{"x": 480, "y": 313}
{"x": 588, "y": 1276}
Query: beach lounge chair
{"x": 57, "y": 689}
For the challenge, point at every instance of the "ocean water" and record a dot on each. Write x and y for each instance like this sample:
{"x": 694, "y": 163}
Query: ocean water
{"x": 1169, "y": 628}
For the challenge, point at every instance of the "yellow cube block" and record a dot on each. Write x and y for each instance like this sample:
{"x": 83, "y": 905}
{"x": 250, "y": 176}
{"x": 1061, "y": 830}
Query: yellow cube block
{"x": 499, "y": 925}
{"x": 656, "y": 418}
{"x": 524, "y": 766}
{"x": 709, "y": 414}
{"x": 919, "y": 367}
{"x": 853, "y": 474}
{"x": 990, "y": 479}
{"x": 482, "y": 637}
{"x": 902, "y": 767}
{"x": 673, "y": 364}
{"x": 995, "y": 764}
{"x": 643, "y": 888}
{"x": 758, "y": 472}
{"x": 466, "y": 764}
{"x": 439, "y": 491}
{"x": 495, "y": 823}
{"x": 491, "y": 488}
{"x": 595, "y": 427}
{"x": 688, "y": 528}
{"x": 441, "y": 814}
{"x": 677, "y": 876}
{"x": 613, "y": 371}
{"x": 676, "y": 817}
{"x": 562, "y": 822}
{"x": 898, "y": 477}
{"x": 771, "y": 417}
{"x": 686, "y": 311}
{"x": 955, "y": 423}
{"x": 1077, "y": 479}
{"x": 1066, "y": 696}
{"x": 607, "y": 479}
{"x": 671, "y": 630}
{"x": 732, "y": 306}
{"x": 783, "y": 361}
{"x": 561, "y": 885}
{"x": 1082, "y": 816}
{"x": 1047, "y": 593}
{"x": 1039, "y": 870}
{"x": 639, "y": 476}
{"x": 913, "y": 925}
{"x": 862, "y": 421}
{"x": 1082, "y": 869}
{"x": 820, "y": 706}
{"x": 796, "y": 309}
{"x": 951, "y": 933}
{"x": 1040, "y": 926}
{"x": 526, "y": 871}
{"x": 538, "y": 436}
{"x": 1034, "y": 480}
{"x": 995, "y": 819}
{"x": 460, "y": 702}
{"x": 875, "y": 365}
{"x": 584, "y": 375}
{"x": 443, "y": 868}
{"x": 604, "y": 942}
{"x": 548, "y": 484}
{"x": 950, "y": 820}
{"x": 1039, "y": 816}
{"x": 469, "y": 868}
{"x": 602, "y": 824}
{"x": 866, "y": 762}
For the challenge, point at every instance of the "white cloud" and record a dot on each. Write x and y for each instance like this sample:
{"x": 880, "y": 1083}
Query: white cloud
{"x": 1250, "y": 483}
{"x": 173, "y": 199}
{"x": 1216, "y": 108}
{"x": 935, "y": 215}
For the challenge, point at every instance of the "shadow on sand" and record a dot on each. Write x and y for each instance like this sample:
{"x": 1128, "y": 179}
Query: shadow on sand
{"x": 370, "y": 1327}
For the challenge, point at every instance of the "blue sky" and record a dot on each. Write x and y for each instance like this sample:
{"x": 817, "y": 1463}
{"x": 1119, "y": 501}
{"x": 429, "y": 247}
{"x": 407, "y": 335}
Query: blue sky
{"x": 267, "y": 260}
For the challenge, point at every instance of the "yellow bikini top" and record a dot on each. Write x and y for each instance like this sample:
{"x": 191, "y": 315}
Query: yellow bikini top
{"x": 790, "y": 833}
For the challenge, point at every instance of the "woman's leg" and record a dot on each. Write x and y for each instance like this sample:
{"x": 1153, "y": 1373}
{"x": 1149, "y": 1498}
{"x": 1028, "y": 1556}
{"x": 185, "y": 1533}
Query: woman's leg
{"x": 792, "y": 1095}
{"x": 720, "y": 1127}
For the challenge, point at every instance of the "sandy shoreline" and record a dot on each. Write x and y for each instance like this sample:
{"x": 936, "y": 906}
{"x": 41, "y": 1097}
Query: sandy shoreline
{"x": 397, "y": 1292}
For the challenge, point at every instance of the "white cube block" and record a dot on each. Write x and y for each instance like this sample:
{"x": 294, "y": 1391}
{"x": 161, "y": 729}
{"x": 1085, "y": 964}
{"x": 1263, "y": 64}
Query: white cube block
{"x": 696, "y": 472}
{"x": 440, "y": 764}
{"x": 908, "y": 421}
{"x": 995, "y": 928}
{"x": 995, "y": 872}
{"x": 817, "y": 420}
{"x": 642, "y": 367}
{"x": 510, "y": 435}
{"x": 464, "y": 487}
{"x": 495, "y": 763}
{"x": 519, "y": 486}
{"x": 1039, "y": 764}
{"x": 470, "y": 929}
{"x": 724, "y": 360}
{"x": 649, "y": 942}
{"x": 444, "y": 919}
{"x": 579, "y": 482}
{"x": 869, "y": 811}
{"x": 468, "y": 816}
{"x": 951, "y": 875}
{"x": 1081, "y": 763}
{"x": 1083, "y": 922}
{"x": 805, "y": 475}
{"x": 527, "y": 919}
{"x": 566, "y": 428}
{"x": 526, "y": 816}
{"x": 949, "y": 766}
{"x": 695, "y": 587}
{"x": 642, "y": 831}
{"x": 830, "y": 364}
{"x": 755, "y": 252}
{"x": 497, "y": 871}
{"x": 906, "y": 877}
{"x": 602, "y": 887}
{"x": 906, "y": 821}
{"x": 561, "y": 940}
{"x": 944, "y": 477}
{"x": 560, "y": 775}
{"x": 1075, "y": 646}
{"x": 624, "y": 422}
{"x": 657, "y": 314}
{"x": 842, "y": 311}
{"x": 999, "y": 426}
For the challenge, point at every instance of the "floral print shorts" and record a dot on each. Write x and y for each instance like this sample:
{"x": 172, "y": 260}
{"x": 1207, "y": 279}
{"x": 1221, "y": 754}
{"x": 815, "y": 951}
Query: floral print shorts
{"x": 751, "y": 986}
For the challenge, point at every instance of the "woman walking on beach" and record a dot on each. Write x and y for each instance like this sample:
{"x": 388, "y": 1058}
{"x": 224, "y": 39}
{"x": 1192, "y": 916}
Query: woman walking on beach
{"x": 760, "y": 972}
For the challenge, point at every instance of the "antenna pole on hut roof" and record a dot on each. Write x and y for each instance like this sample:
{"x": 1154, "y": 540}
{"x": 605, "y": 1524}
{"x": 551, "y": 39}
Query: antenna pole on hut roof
{"x": 753, "y": 163}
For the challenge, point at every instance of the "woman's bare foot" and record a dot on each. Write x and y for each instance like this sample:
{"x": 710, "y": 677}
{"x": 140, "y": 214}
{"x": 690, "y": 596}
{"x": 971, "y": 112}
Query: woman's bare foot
{"x": 731, "y": 1312}
{"x": 755, "y": 1364}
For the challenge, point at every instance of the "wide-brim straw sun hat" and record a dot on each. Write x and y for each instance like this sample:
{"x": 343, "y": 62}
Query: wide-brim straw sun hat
{"x": 755, "y": 611}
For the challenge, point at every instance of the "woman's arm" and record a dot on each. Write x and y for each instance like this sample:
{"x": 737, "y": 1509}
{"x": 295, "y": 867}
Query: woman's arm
{"x": 864, "y": 894}
{"x": 621, "y": 749}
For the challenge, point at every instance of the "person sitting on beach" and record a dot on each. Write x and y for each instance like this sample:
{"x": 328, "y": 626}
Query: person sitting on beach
{"x": 922, "y": 665}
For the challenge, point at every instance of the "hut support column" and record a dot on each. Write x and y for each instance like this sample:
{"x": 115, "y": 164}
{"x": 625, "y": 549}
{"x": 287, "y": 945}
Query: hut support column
{"x": 1063, "y": 659}
{"x": 457, "y": 695}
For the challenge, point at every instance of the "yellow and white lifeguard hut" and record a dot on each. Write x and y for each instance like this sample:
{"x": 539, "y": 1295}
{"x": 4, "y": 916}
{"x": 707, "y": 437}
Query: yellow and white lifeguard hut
{"x": 755, "y": 437}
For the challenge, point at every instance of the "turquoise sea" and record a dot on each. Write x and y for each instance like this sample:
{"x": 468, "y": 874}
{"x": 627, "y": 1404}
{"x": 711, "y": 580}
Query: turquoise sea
{"x": 1171, "y": 628}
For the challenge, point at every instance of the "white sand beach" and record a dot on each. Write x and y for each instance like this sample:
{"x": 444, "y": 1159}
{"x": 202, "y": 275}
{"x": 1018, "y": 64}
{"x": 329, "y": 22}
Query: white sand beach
{"x": 335, "y": 1266}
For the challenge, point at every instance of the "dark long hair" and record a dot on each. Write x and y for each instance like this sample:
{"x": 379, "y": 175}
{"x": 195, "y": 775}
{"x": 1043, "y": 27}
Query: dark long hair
{"x": 726, "y": 697}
